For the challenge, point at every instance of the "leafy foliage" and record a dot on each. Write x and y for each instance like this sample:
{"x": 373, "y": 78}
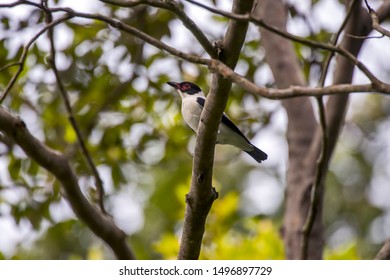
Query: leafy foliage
{"x": 231, "y": 236}
{"x": 131, "y": 124}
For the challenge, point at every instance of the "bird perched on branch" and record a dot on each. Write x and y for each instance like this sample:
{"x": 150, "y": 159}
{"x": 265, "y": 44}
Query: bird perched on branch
{"x": 193, "y": 100}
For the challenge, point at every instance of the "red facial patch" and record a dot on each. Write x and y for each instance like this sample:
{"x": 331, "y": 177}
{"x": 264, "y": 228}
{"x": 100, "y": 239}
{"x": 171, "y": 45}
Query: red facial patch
{"x": 184, "y": 87}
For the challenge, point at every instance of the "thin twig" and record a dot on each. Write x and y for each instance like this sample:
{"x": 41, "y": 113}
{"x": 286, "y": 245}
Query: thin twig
{"x": 365, "y": 37}
{"x": 136, "y": 32}
{"x": 248, "y": 17}
{"x": 333, "y": 42}
{"x": 375, "y": 21}
{"x": 378, "y": 86}
{"x": 26, "y": 48}
{"x": 196, "y": 59}
{"x": 72, "y": 120}
{"x": 9, "y": 65}
{"x": 118, "y": 25}
{"x": 173, "y": 7}
{"x": 218, "y": 66}
{"x": 20, "y": 2}
{"x": 316, "y": 190}
{"x": 321, "y": 161}
{"x": 292, "y": 91}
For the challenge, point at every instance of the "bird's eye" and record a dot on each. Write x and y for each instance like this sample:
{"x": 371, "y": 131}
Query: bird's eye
{"x": 185, "y": 87}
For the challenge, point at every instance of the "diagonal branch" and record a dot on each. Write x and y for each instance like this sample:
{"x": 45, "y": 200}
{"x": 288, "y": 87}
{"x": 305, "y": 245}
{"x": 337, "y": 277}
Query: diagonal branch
{"x": 224, "y": 70}
{"x": 384, "y": 253}
{"x": 359, "y": 25}
{"x": 23, "y": 57}
{"x": 214, "y": 65}
{"x": 9, "y": 65}
{"x": 261, "y": 23}
{"x": 333, "y": 42}
{"x": 112, "y": 22}
{"x": 173, "y": 7}
{"x": 135, "y": 32}
{"x": 58, "y": 165}
{"x": 375, "y": 21}
{"x": 219, "y": 66}
{"x": 72, "y": 120}
{"x": 336, "y": 105}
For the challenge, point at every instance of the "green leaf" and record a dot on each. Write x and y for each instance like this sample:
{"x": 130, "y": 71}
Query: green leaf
{"x": 14, "y": 168}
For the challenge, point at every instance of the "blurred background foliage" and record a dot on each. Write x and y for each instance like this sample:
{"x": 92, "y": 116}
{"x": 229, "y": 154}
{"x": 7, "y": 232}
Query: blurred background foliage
{"x": 131, "y": 123}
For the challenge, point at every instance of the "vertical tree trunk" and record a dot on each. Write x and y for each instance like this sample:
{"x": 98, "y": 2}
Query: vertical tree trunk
{"x": 303, "y": 134}
{"x": 285, "y": 67}
{"x": 201, "y": 195}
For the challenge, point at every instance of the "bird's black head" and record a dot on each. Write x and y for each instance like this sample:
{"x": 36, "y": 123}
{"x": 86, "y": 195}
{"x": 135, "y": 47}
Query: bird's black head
{"x": 185, "y": 87}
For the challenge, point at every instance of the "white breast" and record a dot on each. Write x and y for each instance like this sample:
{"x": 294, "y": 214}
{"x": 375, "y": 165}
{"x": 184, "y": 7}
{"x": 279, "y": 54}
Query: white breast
{"x": 191, "y": 112}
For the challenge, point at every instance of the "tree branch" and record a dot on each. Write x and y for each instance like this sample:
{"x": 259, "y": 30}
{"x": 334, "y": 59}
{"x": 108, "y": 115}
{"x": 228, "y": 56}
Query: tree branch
{"x": 135, "y": 32}
{"x": 384, "y": 253}
{"x": 215, "y": 65}
{"x": 58, "y": 165}
{"x": 336, "y": 105}
{"x": 375, "y": 21}
{"x": 202, "y": 194}
{"x": 68, "y": 107}
{"x": 20, "y": 2}
{"x": 9, "y": 65}
{"x": 316, "y": 192}
{"x": 23, "y": 57}
{"x": 261, "y": 23}
{"x": 203, "y": 159}
{"x": 334, "y": 41}
{"x": 282, "y": 59}
{"x": 218, "y": 66}
{"x": 292, "y": 91}
{"x": 173, "y": 7}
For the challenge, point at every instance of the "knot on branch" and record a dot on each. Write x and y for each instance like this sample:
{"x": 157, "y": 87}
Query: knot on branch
{"x": 214, "y": 194}
{"x": 19, "y": 124}
{"x": 218, "y": 48}
{"x": 204, "y": 203}
{"x": 200, "y": 178}
{"x": 116, "y": 24}
{"x": 188, "y": 200}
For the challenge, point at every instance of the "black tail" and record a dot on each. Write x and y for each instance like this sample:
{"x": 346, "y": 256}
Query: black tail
{"x": 257, "y": 154}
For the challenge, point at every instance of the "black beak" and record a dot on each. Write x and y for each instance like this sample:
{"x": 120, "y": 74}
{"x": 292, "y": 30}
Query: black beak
{"x": 173, "y": 84}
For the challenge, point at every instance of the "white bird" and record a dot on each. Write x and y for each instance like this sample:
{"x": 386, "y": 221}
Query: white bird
{"x": 193, "y": 100}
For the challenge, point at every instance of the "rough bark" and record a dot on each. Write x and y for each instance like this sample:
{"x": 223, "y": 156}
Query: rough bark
{"x": 202, "y": 194}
